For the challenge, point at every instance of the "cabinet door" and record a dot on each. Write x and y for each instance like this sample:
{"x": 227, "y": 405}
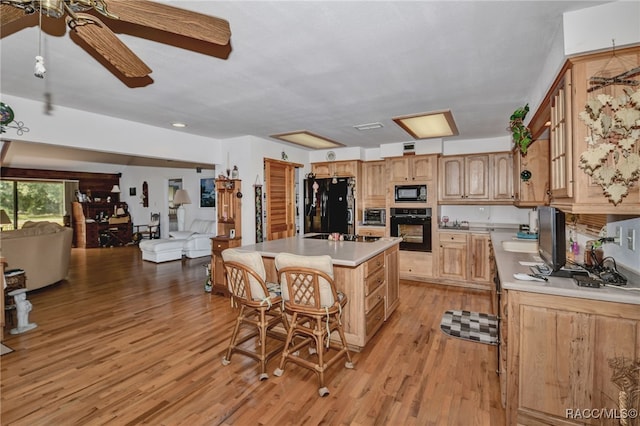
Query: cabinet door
{"x": 322, "y": 169}
{"x": 480, "y": 264}
{"x": 421, "y": 167}
{"x": 374, "y": 184}
{"x": 345, "y": 168}
{"x": 398, "y": 168}
{"x": 502, "y": 176}
{"x": 476, "y": 177}
{"x": 451, "y": 181}
{"x": 561, "y": 140}
{"x": 393, "y": 282}
{"x": 453, "y": 256}
{"x": 534, "y": 191}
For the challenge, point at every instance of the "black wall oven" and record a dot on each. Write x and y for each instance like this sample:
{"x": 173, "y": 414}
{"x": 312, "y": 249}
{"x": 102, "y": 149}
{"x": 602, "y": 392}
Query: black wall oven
{"x": 414, "y": 226}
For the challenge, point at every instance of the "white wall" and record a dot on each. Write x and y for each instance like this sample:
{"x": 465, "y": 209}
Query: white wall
{"x": 621, "y": 253}
{"x": 494, "y": 215}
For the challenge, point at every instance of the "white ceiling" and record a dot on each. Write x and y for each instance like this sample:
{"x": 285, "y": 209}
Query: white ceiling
{"x": 319, "y": 66}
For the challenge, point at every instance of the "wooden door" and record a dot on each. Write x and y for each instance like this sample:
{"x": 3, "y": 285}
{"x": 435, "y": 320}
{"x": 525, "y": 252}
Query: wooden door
{"x": 451, "y": 181}
{"x": 480, "y": 265}
{"x": 502, "y": 177}
{"x": 422, "y": 168}
{"x": 280, "y": 221}
{"x": 374, "y": 183}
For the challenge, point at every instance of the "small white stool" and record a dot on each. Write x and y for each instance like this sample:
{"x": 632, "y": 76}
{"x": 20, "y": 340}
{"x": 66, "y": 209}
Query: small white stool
{"x": 162, "y": 250}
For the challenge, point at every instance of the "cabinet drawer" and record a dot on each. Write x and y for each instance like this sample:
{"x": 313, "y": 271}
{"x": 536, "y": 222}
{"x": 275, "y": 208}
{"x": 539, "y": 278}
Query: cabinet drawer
{"x": 373, "y": 281}
{"x": 375, "y": 297}
{"x": 456, "y": 237}
{"x": 220, "y": 244}
{"x": 375, "y": 318}
{"x": 373, "y": 264}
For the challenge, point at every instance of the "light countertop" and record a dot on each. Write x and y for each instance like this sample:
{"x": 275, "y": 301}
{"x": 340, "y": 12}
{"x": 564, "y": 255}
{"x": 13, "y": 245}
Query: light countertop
{"x": 344, "y": 253}
{"x": 509, "y": 263}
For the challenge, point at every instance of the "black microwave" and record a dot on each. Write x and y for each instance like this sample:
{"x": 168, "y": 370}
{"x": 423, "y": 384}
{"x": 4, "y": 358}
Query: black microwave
{"x": 411, "y": 193}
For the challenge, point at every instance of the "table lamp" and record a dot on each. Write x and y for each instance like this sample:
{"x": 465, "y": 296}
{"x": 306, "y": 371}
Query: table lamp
{"x": 4, "y": 219}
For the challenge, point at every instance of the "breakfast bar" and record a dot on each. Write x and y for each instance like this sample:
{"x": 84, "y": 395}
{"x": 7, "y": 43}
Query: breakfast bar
{"x": 365, "y": 271}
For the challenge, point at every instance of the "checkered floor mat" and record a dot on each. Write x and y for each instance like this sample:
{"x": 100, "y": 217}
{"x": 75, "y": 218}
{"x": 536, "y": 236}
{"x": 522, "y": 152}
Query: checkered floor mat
{"x": 473, "y": 326}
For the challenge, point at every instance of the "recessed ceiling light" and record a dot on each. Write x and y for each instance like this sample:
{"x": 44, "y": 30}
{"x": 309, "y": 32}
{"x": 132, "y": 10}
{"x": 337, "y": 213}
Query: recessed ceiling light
{"x": 307, "y": 139}
{"x": 179, "y": 125}
{"x": 368, "y": 126}
{"x": 427, "y": 125}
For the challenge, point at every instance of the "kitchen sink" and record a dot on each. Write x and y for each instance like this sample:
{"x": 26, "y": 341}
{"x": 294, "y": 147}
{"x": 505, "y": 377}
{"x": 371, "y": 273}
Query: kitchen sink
{"x": 520, "y": 246}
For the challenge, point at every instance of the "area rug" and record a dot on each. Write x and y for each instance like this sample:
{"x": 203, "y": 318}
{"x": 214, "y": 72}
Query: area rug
{"x": 5, "y": 349}
{"x": 472, "y": 326}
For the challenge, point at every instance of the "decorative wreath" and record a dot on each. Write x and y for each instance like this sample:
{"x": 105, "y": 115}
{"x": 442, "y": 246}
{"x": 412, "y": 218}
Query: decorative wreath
{"x": 612, "y": 158}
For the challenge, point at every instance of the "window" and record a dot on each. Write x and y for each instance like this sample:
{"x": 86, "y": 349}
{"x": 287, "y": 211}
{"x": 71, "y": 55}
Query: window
{"x": 33, "y": 200}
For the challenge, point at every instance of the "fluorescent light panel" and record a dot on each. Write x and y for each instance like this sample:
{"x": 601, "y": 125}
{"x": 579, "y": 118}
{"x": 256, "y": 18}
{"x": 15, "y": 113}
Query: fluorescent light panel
{"x": 369, "y": 126}
{"x": 427, "y": 125}
{"x": 307, "y": 139}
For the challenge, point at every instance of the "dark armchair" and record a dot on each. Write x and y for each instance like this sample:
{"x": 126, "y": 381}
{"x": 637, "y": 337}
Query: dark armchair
{"x": 150, "y": 231}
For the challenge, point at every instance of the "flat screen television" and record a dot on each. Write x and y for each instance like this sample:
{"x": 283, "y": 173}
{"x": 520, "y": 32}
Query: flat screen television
{"x": 551, "y": 237}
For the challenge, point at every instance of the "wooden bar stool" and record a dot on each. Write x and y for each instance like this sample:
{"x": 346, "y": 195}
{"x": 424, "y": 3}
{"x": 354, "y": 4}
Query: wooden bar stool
{"x": 310, "y": 297}
{"x": 260, "y": 307}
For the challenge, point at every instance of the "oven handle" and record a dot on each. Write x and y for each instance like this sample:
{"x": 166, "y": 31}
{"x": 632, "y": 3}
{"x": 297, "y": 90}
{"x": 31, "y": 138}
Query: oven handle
{"x": 411, "y": 220}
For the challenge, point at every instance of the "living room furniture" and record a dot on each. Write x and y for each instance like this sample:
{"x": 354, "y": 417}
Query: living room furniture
{"x": 229, "y": 235}
{"x": 91, "y": 220}
{"x": 193, "y": 243}
{"x": 315, "y": 306}
{"x": 41, "y": 249}
{"x": 260, "y": 308}
{"x": 151, "y": 230}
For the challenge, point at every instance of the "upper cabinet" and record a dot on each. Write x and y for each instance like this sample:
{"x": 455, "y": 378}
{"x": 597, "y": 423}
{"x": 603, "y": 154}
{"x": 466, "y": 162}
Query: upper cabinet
{"x": 476, "y": 178}
{"x": 336, "y": 168}
{"x": 374, "y": 184}
{"x": 531, "y": 175}
{"x": 410, "y": 168}
{"x": 573, "y": 190}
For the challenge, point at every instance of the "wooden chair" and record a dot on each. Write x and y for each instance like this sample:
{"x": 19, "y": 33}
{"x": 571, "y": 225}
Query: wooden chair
{"x": 150, "y": 230}
{"x": 260, "y": 307}
{"x": 310, "y": 297}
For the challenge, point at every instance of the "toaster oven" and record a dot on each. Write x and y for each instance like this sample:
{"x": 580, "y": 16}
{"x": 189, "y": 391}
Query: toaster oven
{"x": 374, "y": 217}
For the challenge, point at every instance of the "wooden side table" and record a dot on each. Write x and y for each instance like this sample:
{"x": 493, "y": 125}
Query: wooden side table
{"x": 15, "y": 279}
{"x": 218, "y": 245}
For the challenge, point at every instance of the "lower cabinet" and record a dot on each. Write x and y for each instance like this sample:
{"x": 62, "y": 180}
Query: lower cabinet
{"x": 416, "y": 265}
{"x": 464, "y": 258}
{"x": 567, "y": 355}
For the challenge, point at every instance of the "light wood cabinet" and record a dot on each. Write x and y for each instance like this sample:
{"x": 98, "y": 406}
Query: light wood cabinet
{"x": 416, "y": 265}
{"x": 502, "y": 179}
{"x": 393, "y": 281}
{"x": 476, "y": 179}
{"x": 464, "y": 178}
{"x": 371, "y": 231}
{"x": 479, "y": 255}
{"x": 465, "y": 258}
{"x": 410, "y": 168}
{"x": 572, "y": 189}
{"x": 534, "y": 191}
{"x": 560, "y": 351}
{"x": 374, "y": 184}
{"x": 452, "y": 256}
{"x": 229, "y": 212}
{"x": 336, "y": 168}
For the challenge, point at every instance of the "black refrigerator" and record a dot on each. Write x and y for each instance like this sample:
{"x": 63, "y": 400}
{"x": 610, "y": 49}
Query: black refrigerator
{"x": 329, "y": 205}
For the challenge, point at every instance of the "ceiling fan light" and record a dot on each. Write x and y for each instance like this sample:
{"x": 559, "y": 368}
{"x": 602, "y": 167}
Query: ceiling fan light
{"x": 50, "y": 8}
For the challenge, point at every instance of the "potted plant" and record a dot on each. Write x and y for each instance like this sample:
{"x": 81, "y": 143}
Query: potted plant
{"x": 521, "y": 133}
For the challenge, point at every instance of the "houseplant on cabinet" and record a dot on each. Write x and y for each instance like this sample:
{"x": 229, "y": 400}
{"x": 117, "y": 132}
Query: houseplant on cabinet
{"x": 521, "y": 133}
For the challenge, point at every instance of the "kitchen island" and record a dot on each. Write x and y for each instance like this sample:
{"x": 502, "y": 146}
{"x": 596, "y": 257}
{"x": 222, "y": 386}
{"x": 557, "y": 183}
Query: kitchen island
{"x": 366, "y": 272}
{"x": 561, "y": 344}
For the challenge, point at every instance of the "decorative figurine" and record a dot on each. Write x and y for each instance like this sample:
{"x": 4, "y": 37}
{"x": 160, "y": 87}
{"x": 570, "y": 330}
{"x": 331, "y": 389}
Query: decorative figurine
{"x": 23, "y": 307}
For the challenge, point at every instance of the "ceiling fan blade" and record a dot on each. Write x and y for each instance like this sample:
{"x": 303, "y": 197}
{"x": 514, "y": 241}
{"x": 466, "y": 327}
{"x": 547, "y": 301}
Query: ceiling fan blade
{"x": 9, "y": 14}
{"x": 172, "y": 19}
{"x": 105, "y": 42}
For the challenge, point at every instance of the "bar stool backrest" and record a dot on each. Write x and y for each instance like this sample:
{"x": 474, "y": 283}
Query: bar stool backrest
{"x": 320, "y": 263}
{"x": 252, "y": 260}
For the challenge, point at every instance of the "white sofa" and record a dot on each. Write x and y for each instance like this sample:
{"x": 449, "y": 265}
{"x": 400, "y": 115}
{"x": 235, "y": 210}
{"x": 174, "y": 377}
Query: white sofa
{"x": 192, "y": 243}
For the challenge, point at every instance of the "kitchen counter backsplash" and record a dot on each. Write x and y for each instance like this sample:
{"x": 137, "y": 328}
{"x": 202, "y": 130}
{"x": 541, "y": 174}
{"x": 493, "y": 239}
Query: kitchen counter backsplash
{"x": 479, "y": 226}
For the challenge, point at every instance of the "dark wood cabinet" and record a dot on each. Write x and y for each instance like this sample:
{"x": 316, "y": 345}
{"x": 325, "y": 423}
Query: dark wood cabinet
{"x": 96, "y": 225}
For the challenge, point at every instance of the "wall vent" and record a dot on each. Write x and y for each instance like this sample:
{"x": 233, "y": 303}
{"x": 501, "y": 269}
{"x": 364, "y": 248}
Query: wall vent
{"x": 409, "y": 147}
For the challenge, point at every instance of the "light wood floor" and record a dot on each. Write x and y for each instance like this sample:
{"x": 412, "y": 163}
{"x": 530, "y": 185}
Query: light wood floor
{"x": 127, "y": 342}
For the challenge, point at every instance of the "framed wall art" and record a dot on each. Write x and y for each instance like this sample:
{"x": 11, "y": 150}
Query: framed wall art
{"x": 207, "y": 192}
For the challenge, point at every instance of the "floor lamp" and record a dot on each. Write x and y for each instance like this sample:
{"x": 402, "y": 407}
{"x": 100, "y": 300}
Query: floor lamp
{"x": 179, "y": 198}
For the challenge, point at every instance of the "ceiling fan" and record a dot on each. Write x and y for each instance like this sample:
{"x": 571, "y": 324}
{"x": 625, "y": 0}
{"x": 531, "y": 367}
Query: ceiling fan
{"x": 82, "y": 18}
